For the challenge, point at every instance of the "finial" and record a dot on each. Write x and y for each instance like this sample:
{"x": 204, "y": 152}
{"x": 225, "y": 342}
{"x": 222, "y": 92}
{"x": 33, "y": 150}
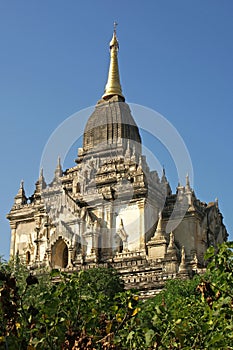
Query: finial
{"x": 182, "y": 255}
{"x": 21, "y": 184}
{"x": 171, "y": 238}
{"x": 58, "y": 170}
{"x": 159, "y": 234}
{"x": 41, "y": 172}
{"x": 41, "y": 177}
{"x": 114, "y": 40}
{"x": 121, "y": 220}
{"x": 115, "y": 24}
{"x": 195, "y": 257}
{"x": 183, "y": 267}
{"x": 163, "y": 178}
{"x": 140, "y": 163}
{"x": 21, "y": 198}
{"x": 160, "y": 215}
{"x": 171, "y": 245}
{"x": 187, "y": 186}
{"x": 127, "y": 153}
{"x": 159, "y": 225}
{"x": 113, "y": 86}
{"x": 41, "y": 180}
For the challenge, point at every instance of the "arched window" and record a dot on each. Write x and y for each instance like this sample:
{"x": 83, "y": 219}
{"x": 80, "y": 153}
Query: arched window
{"x": 28, "y": 257}
{"x": 78, "y": 188}
{"x": 119, "y": 244}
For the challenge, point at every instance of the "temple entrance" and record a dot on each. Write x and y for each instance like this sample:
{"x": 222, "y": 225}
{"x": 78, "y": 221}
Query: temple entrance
{"x": 60, "y": 254}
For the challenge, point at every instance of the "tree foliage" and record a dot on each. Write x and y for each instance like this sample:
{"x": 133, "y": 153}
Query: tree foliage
{"x": 91, "y": 310}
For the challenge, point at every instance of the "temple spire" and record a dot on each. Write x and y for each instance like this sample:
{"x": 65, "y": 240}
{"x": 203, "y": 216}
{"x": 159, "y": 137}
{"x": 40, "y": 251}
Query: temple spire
{"x": 40, "y": 184}
{"x": 21, "y": 198}
{"x": 187, "y": 185}
{"x": 58, "y": 170}
{"x": 113, "y": 86}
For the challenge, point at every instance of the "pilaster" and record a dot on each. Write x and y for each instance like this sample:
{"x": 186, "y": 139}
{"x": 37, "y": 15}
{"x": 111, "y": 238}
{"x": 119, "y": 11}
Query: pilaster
{"x": 13, "y": 226}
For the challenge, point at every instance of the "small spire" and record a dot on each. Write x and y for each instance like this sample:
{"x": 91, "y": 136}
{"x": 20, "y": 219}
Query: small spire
{"x": 41, "y": 184}
{"x": 42, "y": 179}
{"x": 194, "y": 262}
{"x": 127, "y": 153}
{"x": 41, "y": 173}
{"x": 172, "y": 253}
{"x": 113, "y": 86}
{"x": 121, "y": 223}
{"x": 133, "y": 156}
{"x": 163, "y": 177}
{"x": 165, "y": 183}
{"x": 159, "y": 225}
{"x": 183, "y": 256}
{"x": 171, "y": 245}
{"x": 180, "y": 189}
{"x": 159, "y": 233}
{"x": 187, "y": 185}
{"x": 21, "y": 198}
{"x": 58, "y": 170}
{"x": 139, "y": 168}
{"x": 183, "y": 267}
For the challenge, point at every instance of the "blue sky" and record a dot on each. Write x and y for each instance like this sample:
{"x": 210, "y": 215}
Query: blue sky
{"x": 176, "y": 57}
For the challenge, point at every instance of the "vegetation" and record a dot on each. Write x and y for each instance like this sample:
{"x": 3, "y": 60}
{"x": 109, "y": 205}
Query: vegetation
{"x": 91, "y": 310}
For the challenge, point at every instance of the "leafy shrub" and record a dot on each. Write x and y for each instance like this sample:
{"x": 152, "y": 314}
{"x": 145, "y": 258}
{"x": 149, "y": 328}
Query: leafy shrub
{"x": 91, "y": 310}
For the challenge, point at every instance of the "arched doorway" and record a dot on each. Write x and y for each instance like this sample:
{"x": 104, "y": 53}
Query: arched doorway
{"x": 119, "y": 244}
{"x": 60, "y": 254}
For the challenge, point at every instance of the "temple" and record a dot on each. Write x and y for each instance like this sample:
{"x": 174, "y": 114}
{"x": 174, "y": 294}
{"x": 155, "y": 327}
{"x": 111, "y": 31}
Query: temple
{"x": 110, "y": 209}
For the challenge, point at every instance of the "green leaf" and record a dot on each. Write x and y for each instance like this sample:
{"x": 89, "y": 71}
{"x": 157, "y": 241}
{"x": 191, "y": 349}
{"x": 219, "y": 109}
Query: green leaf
{"x": 55, "y": 273}
{"x": 131, "y": 335}
{"x": 215, "y": 339}
{"x": 149, "y": 336}
{"x": 209, "y": 253}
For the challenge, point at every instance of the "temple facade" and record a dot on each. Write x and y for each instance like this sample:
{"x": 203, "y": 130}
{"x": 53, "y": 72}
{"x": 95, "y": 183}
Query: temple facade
{"x": 110, "y": 209}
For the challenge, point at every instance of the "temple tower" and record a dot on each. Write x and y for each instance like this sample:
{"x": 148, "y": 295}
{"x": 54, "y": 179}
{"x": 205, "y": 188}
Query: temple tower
{"x": 110, "y": 208}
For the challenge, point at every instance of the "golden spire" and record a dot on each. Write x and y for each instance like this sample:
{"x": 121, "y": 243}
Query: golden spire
{"x": 113, "y": 86}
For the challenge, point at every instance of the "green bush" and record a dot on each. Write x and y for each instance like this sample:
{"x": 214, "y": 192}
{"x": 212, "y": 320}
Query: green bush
{"x": 91, "y": 310}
